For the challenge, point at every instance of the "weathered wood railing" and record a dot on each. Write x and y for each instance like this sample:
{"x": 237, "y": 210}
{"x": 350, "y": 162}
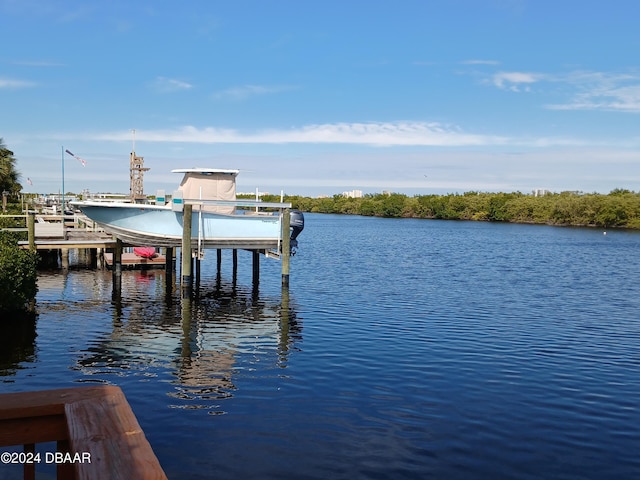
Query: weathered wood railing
{"x": 96, "y": 432}
{"x": 45, "y": 226}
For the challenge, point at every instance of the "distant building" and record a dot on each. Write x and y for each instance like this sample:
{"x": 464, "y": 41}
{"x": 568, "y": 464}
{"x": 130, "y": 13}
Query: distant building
{"x": 353, "y": 194}
{"x": 252, "y": 194}
{"x": 540, "y": 192}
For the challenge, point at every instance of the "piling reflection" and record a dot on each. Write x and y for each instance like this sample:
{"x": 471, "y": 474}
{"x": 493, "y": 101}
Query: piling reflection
{"x": 198, "y": 345}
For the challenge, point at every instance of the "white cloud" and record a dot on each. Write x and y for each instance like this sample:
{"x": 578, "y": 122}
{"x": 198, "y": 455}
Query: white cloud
{"x": 167, "y": 85}
{"x": 373, "y": 134}
{"x": 480, "y": 62}
{"x": 12, "y": 83}
{"x": 588, "y": 90}
{"x": 245, "y": 91}
{"x": 602, "y": 91}
{"x": 514, "y": 80}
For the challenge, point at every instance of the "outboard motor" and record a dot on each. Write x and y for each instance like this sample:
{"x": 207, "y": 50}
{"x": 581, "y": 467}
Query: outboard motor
{"x": 297, "y": 225}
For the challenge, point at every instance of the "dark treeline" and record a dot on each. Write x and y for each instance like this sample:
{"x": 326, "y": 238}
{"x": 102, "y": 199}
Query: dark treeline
{"x": 619, "y": 208}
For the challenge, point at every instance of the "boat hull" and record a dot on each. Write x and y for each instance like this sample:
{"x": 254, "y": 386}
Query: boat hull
{"x": 160, "y": 226}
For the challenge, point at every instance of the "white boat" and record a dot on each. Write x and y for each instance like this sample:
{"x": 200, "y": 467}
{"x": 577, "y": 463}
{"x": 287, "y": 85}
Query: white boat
{"x": 217, "y": 222}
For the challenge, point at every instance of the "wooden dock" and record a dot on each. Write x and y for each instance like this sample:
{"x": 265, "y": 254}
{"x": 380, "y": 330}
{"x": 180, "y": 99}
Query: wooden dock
{"x": 57, "y": 232}
{"x": 114, "y": 447}
{"x": 133, "y": 261}
{"x": 64, "y": 233}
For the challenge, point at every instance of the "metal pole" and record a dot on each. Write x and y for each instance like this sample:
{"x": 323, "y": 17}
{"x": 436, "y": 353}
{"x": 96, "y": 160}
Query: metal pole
{"x": 62, "y": 160}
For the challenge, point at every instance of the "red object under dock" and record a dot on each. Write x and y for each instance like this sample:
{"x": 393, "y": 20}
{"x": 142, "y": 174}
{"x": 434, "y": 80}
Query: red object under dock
{"x": 131, "y": 260}
{"x": 145, "y": 252}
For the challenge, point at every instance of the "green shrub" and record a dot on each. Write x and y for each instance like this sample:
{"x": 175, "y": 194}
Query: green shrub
{"x": 18, "y": 275}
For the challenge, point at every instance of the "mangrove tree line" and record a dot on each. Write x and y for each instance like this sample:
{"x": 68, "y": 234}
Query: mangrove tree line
{"x": 619, "y": 208}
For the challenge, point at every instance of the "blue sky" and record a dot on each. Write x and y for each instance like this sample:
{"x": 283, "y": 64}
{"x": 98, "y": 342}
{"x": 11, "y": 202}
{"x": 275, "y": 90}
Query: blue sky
{"x": 412, "y": 96}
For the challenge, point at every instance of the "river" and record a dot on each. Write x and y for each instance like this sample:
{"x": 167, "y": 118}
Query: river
{"x": 404, "y": 349}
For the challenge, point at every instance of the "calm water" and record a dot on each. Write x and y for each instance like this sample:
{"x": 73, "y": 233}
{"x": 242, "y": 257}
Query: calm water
{"x": 405, "y": 349}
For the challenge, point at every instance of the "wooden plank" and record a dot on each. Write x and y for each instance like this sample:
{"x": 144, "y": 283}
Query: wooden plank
{"x": 36, "y": 429}
{"x": 118, "y": 446}
{"x": 49, "y": 230}
{"x": 58, "y": 244}
{"x": 47, "y": 402}
{"x": 29, "y": 469}
{"x": 64, "y": 470}
{"x": 133, "y": 259}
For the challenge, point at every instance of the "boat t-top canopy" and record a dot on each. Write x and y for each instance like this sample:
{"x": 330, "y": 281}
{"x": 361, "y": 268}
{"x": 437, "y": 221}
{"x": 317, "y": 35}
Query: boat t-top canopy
{"x": 206, "y": 171}
{"x": 209, "y": 184}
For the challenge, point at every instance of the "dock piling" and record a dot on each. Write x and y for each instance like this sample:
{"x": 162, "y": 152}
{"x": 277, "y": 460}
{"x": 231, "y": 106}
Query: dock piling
{"x": 117, "y": 268}
{"x": 235, "y": 265}
{"x": 64, "y": 258}
{"x": 187, "y": 277}
{"x": 256, "y": 267}
{"x": 286, "y": 247}
{"x": 31, "y": 229}
{"x": 168, "y": 261}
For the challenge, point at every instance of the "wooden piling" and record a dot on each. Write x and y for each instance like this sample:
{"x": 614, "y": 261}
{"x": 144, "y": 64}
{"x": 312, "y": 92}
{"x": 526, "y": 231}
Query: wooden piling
{"x": 187, "y": 278}
{"x": 168, "y": 261}
{"x": 117, "y": 258}
{"x": 286, "y": 247}
{"x": 31, "y": 229}
{"x": 197, "y": 273}
{"x": 256, "y": 267}
{"x": 284, "y": 323}
{"x": 117, "y": 269}
{"x": 235, "y": 265}
{"x": 168, "y": 270}
{"x": 64, "y": 258}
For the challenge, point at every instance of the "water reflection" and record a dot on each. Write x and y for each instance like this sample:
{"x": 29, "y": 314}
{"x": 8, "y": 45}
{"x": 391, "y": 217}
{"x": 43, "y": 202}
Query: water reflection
{"x": 198, "y": 346}
{"x": 17, "y": 343}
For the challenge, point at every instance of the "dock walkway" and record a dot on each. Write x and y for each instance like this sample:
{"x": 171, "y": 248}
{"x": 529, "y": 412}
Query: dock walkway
{"x": 50, "y": 232}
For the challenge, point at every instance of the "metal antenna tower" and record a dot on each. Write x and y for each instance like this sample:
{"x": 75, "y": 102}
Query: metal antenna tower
{"x": 136, "y": 174}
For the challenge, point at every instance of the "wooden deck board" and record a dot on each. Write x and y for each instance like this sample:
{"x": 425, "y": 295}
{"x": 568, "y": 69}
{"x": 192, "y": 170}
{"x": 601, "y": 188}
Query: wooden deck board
{"x": 40, "y": 429}
{"x": 118, "y": 447}
{"x": 133, "y": 260}
{"x": 93, "y": 421}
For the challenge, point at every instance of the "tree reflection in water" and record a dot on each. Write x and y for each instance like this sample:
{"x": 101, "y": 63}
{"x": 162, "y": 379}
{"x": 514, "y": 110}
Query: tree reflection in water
{"x": 17, "y": 343}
